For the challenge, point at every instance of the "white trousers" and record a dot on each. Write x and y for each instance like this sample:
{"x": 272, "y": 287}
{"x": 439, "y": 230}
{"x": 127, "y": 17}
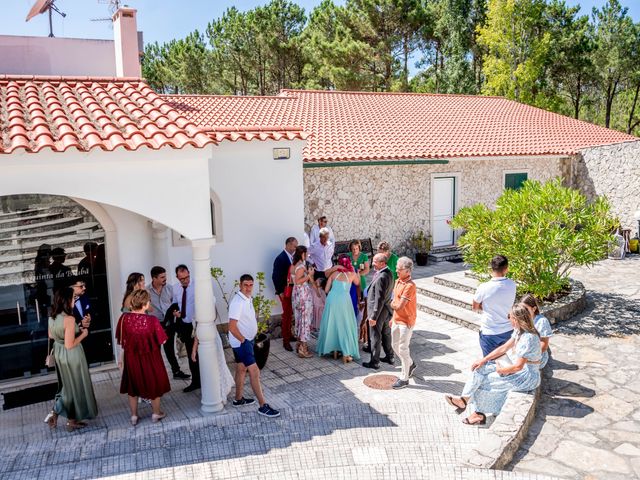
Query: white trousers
{"x": 400, "y": 339}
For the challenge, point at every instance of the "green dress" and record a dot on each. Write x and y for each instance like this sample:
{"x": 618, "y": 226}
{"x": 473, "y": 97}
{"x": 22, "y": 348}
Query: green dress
{"x": 392, "y": 264}
{"x": 363, "y": 259}
{"x": 76, "y": 399}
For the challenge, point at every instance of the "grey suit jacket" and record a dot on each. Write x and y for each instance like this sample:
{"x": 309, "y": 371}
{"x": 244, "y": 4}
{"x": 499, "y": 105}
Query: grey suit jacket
{"x": 379, "y": 295}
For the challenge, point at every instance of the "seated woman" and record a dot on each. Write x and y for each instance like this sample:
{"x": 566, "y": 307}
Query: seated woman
{"x": 518, "y": 370}
{"x": 542, "y": 326}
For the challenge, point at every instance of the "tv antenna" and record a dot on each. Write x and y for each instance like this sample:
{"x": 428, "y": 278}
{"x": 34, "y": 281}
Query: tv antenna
{"x": 42, "y": 6}
{"x": 114, "y": 5}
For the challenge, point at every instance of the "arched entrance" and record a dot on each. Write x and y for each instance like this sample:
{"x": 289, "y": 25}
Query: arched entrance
{"x": 48, "y": 242}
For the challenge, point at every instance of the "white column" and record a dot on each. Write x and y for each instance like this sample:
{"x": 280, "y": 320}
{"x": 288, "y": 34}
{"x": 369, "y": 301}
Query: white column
{"x": 206, "y": 329}
{"x": 160, "y": 247}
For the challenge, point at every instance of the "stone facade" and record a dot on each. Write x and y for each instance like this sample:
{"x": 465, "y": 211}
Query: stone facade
{"x": 392, "y": 202}
{"x": 613, "y": 171}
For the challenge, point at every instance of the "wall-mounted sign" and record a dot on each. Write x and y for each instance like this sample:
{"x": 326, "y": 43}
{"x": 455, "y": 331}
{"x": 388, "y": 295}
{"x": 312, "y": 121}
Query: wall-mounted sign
{"x": 281, "y": 153}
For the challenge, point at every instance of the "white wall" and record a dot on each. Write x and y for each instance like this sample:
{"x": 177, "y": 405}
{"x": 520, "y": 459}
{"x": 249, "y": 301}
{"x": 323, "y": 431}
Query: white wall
{"x": 262, "y": 203}
{"x": 56, "y": 56}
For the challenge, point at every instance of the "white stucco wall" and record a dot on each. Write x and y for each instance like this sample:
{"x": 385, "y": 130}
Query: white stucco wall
{"x": 56, "y": 56}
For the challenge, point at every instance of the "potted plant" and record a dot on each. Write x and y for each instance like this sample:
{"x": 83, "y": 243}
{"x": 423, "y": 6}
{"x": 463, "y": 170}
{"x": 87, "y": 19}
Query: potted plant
{"x": 262, "y": 306}
{"x": 421, "y": 243}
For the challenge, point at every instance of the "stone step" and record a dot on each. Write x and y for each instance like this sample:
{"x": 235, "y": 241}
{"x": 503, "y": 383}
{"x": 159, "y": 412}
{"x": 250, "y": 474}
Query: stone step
{"x": 451, "y": 313}
{"x": 11, "y": 233}
{"x": 28, "y": 220}
{"x": 458, "y": 281}
{"x": 444, "y": 255}
{"x": 21, "y": 213}
{"x": 9, "y": 260}
{"x": 459, "y": 298}
{"x": 53, "y": 237}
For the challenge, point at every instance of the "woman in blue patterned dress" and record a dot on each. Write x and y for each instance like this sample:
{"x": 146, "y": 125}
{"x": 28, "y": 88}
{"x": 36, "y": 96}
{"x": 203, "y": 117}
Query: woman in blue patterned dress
{"x": 542, "y": 326}
{"x": 486, "y": 391}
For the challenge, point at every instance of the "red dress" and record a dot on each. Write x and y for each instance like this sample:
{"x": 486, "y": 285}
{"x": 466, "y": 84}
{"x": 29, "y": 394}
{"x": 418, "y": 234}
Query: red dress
{"x": 144, "y": 374}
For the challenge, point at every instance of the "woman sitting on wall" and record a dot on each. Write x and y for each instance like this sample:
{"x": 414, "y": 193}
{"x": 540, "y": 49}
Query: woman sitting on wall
{"x": 542, "y": 326}
{"x": 516, "y": 368}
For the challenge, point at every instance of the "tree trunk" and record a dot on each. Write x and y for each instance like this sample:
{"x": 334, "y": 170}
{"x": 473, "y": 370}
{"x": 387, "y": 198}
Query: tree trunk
{"x": 576, "y": 104}
{"x": 630, "y": 124}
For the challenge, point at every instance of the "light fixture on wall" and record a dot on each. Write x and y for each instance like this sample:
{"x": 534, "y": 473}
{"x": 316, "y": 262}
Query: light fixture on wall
{"x": 281, "y": 153}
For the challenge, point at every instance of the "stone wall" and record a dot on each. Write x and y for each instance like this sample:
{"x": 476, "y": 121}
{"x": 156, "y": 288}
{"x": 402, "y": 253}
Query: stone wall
{"x": 392, "y": 202}
{"x": 613, "y": 171}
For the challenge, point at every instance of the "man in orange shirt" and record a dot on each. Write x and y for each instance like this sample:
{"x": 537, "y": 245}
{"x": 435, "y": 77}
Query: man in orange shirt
{"x": 405, "y": 311}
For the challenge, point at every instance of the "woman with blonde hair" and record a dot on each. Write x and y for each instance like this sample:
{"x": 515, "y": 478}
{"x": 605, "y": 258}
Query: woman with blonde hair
{"x": 542, "y": 325}
{"x": 516, "y": 368}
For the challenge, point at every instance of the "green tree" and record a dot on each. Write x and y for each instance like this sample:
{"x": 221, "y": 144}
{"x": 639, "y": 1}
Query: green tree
{"x": 614, "y": 33}
{"x": 518, "y": 48}
{"x": 543, "y": 229}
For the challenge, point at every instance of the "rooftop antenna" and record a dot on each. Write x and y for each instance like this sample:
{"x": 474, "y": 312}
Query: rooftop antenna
{"x": 114, "y": 5}
{"x": 42, "y": 6}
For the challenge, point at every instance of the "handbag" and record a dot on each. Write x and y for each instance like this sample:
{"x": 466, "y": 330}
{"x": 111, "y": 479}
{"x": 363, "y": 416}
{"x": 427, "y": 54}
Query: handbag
{"x": 50, "y": 360}
{"x": 288, "y": 290}
{"x": 121, "y": 349}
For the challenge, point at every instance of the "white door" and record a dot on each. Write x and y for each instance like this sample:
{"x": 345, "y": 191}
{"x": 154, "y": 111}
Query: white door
{"x": 443, "y": 201}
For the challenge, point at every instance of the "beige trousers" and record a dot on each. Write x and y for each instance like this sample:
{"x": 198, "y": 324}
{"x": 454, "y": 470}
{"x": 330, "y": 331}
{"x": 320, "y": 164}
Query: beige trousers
{"x": 400, "y": 339}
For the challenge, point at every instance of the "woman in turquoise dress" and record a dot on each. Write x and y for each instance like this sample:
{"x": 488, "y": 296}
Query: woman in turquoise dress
{"x": 487, "y": 390}
{"x": 338, "y": 332}
{"x": 76, "y": 400}
{"x": 542, "y": 326}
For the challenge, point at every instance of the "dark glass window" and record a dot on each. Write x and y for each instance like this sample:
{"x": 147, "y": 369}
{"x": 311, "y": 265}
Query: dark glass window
{"x": 514, "y": 180}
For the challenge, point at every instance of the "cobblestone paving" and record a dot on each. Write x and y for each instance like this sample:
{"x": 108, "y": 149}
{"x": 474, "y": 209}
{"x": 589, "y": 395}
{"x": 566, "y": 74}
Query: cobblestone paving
{"x": 332, "y": 426}
{"x": 588, "y": 422}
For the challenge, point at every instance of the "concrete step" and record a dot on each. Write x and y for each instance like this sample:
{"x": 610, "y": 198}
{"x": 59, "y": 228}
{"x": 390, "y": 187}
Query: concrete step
{"x": 459, "y": 298}
{"x": 21, "y": 213}
{"x": 451, "y": 313}
{"x": 44, "y": 227}
{"x": 7, "y": 260}
{"x": 28, "y": 220}
{"x": 444, "y": 255}
{"x": 458, "y": 281}
{"x": 82, "y": 231}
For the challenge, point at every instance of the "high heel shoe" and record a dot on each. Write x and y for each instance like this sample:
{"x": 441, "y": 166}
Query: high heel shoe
{"x": 155, "y": 418}
{"x": 75, "y": 426}
{"x": 346, "y": 359}
{"x": 134, "y": 420}
{"x": 335, "y": 354}
{"x": 52, "y": 419}
{"x": 303, "y": 352}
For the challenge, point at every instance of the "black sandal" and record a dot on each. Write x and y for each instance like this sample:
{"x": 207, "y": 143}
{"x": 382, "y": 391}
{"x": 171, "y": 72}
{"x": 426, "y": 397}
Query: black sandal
{"x": 482, "y": 421}
{"x": 449, "y": 399}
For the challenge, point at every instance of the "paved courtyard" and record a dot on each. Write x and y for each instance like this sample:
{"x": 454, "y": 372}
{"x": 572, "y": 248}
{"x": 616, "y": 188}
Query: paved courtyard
{"x": 332, "y": 426}
{"x": 588, "y": 422}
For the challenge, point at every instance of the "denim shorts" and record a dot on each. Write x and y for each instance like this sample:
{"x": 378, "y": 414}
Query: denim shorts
{"x": 244, "y": 353}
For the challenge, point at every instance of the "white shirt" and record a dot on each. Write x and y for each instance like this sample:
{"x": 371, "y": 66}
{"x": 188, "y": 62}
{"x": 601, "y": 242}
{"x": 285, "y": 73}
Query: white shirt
{"x": 241, "y": 309}
{"x": 321, "y": 255}
{"x": 191, "y": 301}
{"x": 497, "y": 297}
{"x": 314, "y": 234}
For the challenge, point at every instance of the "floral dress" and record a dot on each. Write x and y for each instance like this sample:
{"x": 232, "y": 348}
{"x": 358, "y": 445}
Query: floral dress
{"x": 488, "y": 390}
{"x": 302, "y": 309}
{"x": 544, "y": 329}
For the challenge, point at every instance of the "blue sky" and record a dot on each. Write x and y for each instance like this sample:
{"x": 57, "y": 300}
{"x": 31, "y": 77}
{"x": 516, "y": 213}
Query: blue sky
{"x": 160, "y": 20}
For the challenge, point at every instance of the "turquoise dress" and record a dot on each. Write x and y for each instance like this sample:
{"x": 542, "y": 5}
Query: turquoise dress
{"x": 488, "y": 390}
{"x": 338, "y": 330}
{"x": 544, "y": 329}
{"x": 75, "y": 399}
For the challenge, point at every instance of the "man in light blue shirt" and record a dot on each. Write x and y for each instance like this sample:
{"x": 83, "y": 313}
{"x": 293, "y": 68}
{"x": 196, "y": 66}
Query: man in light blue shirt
{"x": 493, "y": 300}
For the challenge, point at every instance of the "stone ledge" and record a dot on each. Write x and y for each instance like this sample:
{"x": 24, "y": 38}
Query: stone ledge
{"x": 500, "y": 443}
{"x": 567, "y": 306}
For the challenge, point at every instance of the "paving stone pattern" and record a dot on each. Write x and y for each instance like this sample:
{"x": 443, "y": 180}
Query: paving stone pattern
{"x": 332, "y": 425}
{"x": 588, "y": 422}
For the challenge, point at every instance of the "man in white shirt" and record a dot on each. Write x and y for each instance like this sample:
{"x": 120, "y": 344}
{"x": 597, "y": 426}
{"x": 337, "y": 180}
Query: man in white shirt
{"x": 493, "y": 300}
{"x": 243, "y": 327}
{"x": 321, "y": 254}
{"x": 314, "y": 234}
{"x": 184, "y": 297}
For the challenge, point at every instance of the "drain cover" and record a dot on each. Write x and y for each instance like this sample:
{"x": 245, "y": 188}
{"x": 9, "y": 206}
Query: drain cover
{"x": 380, "y": 382}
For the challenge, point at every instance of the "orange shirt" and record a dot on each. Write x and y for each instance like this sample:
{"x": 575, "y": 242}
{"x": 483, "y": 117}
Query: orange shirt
{"x": 408, "y": 313}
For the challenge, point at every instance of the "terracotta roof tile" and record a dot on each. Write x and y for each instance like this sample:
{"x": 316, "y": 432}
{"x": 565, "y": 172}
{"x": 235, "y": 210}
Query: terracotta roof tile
{"x": 352, "y": 126}
{"x": 84, "y": 113}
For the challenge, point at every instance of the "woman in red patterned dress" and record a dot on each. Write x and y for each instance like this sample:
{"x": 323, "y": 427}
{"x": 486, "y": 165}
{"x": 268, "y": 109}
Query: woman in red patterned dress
{"x": 143, "y": 374}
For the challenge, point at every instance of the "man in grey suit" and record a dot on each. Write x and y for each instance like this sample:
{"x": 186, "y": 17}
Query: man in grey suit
{"x": 379, "y": 312}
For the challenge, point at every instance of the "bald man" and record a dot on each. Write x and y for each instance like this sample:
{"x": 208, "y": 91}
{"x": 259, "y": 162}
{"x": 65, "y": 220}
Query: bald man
{"x": 379, "y": 312}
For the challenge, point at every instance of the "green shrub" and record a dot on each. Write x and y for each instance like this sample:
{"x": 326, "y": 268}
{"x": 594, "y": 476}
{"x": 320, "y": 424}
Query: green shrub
{"x": 543, "y": 229}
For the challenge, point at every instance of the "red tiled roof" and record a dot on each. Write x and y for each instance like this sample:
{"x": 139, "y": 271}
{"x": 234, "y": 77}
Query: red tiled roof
{"x": 59, "y": 113}
{"x": 352, "y": 126}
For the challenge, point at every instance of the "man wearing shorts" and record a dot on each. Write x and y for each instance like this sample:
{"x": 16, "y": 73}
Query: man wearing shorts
{"x": 243, "y": 327}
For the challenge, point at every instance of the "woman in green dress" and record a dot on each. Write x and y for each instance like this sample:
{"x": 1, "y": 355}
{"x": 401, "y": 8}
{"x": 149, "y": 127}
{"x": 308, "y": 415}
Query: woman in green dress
{"x": 76, "y": 400}
{"x": 360, "y": 262}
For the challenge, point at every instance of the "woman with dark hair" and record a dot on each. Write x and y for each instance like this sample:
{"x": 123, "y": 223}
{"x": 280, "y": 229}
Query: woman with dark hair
{"x": 542, "y": 325}
{"x": 516, "y": 368}
{"x": 76, "y": 400}
{"x": 143, "y": 373}
{"x": 302, "y": 299}
{"x": 135, "y": 281}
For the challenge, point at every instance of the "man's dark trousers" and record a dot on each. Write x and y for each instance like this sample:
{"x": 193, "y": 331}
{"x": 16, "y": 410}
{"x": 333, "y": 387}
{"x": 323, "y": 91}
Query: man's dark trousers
{"x": 185, "y": 334}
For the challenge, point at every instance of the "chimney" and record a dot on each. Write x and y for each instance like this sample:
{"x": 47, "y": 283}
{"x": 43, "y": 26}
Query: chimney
{"x": 125, "y": 33}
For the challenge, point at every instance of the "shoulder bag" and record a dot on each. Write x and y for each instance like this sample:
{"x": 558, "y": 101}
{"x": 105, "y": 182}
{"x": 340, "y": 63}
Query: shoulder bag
{"x": 50, "y": 360}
